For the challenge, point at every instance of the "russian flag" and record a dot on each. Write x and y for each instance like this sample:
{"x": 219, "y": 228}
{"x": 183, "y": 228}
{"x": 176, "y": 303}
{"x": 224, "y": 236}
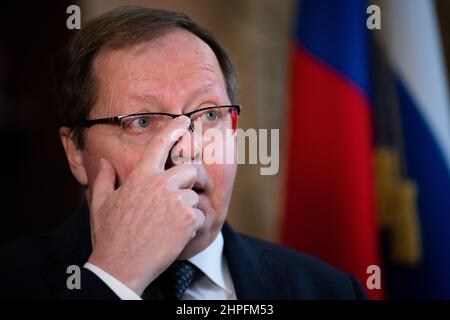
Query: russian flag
{"x": 410, "y": 38}
{"x": 329, "y": 207}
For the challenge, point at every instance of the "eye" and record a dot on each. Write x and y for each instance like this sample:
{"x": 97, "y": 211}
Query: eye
{"x": 211, "y": 115}
{"x": 143, "y": 122}
{"x": 137, "y": 123}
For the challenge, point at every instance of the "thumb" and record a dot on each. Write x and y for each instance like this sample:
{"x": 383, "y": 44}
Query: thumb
{"x": 103, "y": 185}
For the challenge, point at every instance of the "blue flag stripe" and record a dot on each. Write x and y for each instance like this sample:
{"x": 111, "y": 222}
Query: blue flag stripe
{"x": 336, "y": 32}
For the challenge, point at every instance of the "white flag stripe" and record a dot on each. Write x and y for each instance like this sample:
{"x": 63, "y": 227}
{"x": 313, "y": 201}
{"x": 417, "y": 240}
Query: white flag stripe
{"x": 411, "y": 37}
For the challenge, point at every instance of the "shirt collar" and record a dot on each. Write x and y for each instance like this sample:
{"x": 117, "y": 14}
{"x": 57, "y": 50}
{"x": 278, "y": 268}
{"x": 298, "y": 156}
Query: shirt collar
{"x": 212, "y": 263}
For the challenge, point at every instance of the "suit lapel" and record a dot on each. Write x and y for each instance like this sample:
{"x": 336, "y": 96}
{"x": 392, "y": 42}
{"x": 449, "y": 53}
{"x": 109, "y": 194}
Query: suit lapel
{"x": 246, "y": 267}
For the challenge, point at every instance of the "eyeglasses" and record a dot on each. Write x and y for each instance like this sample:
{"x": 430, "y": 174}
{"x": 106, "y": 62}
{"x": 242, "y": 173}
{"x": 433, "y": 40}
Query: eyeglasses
{"x": 217, "y": 117}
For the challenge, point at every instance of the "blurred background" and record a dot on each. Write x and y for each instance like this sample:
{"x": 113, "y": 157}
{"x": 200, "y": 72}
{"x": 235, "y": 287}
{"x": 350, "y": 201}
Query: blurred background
{"x": 363, "y": 116}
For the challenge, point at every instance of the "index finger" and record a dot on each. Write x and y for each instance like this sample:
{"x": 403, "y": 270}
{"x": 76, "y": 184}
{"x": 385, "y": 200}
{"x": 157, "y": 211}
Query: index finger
{"x": 157, "y": 151}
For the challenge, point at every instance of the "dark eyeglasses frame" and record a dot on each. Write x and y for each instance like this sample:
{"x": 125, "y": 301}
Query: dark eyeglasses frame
{"x": 118, "y": 119}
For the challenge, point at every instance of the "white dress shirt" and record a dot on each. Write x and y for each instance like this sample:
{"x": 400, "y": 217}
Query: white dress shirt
{"x": 215, "y": 284}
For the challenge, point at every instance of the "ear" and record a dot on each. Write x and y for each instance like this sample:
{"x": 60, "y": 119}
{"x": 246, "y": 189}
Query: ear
{"x": 74, "y": 155}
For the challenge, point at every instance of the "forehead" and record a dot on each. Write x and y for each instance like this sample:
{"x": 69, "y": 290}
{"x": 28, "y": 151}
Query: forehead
{"x": 171, "y": 70}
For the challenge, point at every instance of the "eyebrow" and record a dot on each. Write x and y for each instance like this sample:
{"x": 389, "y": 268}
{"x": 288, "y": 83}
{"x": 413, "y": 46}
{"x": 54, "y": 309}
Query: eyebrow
{"x": 153, "y": 100}
{"x": 148, "y": 99}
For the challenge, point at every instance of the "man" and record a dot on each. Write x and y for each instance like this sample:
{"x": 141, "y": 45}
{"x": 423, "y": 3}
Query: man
{"x": 132, "y": 85}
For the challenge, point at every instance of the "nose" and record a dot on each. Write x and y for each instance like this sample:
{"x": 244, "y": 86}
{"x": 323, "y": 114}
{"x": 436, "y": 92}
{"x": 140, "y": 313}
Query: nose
{"x": 188, "y": 149}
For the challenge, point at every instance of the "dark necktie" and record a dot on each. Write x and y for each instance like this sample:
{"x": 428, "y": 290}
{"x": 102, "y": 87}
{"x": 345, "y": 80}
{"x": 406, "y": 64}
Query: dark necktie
{"x": 173, "y": 282}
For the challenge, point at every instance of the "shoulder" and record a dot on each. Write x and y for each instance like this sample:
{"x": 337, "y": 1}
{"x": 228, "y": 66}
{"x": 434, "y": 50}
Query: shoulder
{"x": 306, "y": 277}
{"x": 36, "y": 266}
{"x": 286, "y": 257}
{"x": 25, "y": 251}
{"x": 23, "y": 264}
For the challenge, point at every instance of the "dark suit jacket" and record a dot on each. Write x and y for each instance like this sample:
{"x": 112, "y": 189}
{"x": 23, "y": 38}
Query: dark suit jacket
{"x": 36, "y": 268}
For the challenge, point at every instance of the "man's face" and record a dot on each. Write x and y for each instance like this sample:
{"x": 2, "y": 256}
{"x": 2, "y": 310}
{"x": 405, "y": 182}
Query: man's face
{"x": 175, "y": 73}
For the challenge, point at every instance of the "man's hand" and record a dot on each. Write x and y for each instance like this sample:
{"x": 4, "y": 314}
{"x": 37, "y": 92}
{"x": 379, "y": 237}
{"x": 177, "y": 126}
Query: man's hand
{"x": 139, "y": 229}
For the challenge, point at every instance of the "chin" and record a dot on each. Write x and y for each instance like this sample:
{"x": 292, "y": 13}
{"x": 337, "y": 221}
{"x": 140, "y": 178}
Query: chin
{"x": 204, "y": 237}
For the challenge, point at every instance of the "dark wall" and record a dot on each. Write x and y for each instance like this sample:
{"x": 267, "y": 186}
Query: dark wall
{"x": 37, "y": 189}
